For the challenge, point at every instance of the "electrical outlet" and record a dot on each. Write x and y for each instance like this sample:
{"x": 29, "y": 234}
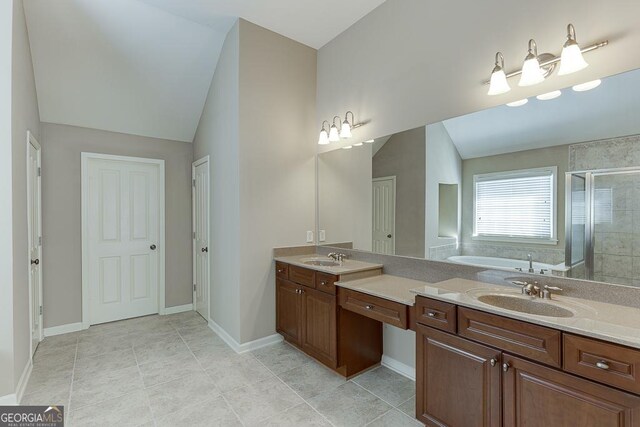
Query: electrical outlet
{"x": 322, "y": 235}
{"x": 309, "y": 236}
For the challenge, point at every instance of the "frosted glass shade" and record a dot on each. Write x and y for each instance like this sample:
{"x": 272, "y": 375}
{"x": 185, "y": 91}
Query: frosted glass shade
{"x": 498, "y": 84}
{"x": 571, "y": 60}
{"x": 531, "y": 73}
{"x": 324, "y": 138}
{"x": 587, "y": 86}
{"x": 345, "y": 130}
{"x": 333, "y": 134}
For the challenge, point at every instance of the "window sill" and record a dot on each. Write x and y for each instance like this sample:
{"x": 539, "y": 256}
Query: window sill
{"x": 500, "y": 239}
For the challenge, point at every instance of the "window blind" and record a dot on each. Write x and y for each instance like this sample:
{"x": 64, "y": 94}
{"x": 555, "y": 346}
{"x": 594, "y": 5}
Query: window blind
{"x": 516, "y": 204}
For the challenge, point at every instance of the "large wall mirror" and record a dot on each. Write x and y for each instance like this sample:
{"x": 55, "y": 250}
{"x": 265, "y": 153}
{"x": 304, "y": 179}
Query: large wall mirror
{"x": 550, "y": 187}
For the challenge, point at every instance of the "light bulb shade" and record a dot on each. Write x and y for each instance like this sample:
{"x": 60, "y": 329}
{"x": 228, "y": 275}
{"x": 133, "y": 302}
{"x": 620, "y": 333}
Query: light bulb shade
{"x": 333, "y": 134}
{"x": 532, "y": 74}
{"x": 587, "y": 86}
{"x": 345, "y": 130}
{"x": 518, "y": 103}
{"x": 324, "y": 138}
{"x": 498, "y": 84}
{"x": 549, "y": 95}
{"x": 571, "y": 59}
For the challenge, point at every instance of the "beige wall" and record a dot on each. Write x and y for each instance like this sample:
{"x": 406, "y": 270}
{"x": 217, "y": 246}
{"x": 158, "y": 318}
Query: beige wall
{"x": 217, "y": 136}
{"x": 553, "y": 156}
{"x": 403, "y": 156}
{"x": 62, "y": 256}
{"x": 345, "y": 196}
{"x": 277, "y": 164}
{"x": 413, "y": 62}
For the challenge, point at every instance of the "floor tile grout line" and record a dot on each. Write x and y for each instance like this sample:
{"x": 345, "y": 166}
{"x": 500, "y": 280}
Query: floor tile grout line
{"x": 291, "y": 388}
{"x": 144, "y": 389}
{"x": 73, "y": 373}
{"x": 207, "y": 374}
{"x": 369, "y": 391}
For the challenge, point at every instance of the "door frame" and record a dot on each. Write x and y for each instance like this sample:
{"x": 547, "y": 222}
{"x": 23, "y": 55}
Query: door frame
{"x": 32, "y": 141}
{"x": 391, "y": 178}
{"x": 195, "y": 164}
{"x": 85, "y": 157}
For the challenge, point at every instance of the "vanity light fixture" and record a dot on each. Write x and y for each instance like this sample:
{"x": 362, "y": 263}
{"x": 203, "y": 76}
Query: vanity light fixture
{"x": 347, "y": 147}
{"x": 583, "y": 87}
{"x": 498, "y": 83}
{"x": 334, "y": 135}
{"x": 549, "y": 95}
{"x": 324, "y": 135}
{"x": 531, "y": 72}
{"x": 369, "y": 141}
{"x": 518, "y": 103}
{"x": 357, "y": 144}
{"x": 571, "y": 59}
{"x": 345, "y": 130}
{"x": 537, "y": 67}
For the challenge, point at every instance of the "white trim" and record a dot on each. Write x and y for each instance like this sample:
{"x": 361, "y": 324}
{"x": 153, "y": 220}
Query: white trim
{"x": 178, "y": 309}
{"x": 63, "y": 329}
{"x": 32, "y": 141}
{"x": 195, "y": 164}
{"x": 24, "y": 379}
{"x": 244, "y": 347}
{"x": 14, "y": 398}
{"x": 85, "y": 157}
{"x": 399, "y": 367}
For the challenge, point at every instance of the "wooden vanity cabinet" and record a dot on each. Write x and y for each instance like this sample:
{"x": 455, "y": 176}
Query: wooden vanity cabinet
{"x": 471, "y": 376}
{"x": 308, "y": 316}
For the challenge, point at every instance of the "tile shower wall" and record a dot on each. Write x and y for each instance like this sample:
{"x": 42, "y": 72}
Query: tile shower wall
{"x": 617, "y": 228}
{"x": 442, "y": 252}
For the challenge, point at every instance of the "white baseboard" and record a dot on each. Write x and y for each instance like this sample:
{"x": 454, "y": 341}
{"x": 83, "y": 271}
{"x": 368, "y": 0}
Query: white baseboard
{"x": 399, "y": 367}
{"x": 63, "y": 329}
{"x": 24, "y": 379}
{"x": 14, "y": 398}
{"x": 247, "y": 346}
{"x": 178, "y": 309}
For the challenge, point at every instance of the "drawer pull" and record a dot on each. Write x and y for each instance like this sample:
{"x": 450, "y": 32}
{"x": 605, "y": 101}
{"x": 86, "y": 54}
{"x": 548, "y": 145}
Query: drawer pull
{"x": 602, "y": 365}
{"x": 493, "y": 361}
{"x": 505, "y": 367}
{"x": 432, "y": 314}
{"x": 280, "y": 270}
{"x": 368, "y": 307}
{"x": 323, "y": 283}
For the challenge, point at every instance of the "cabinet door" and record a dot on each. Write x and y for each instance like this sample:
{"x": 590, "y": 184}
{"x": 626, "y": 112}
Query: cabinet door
{"x": 535, "y": 395}
{"x": 319, "y": 333}
{"x": 289, "y": 310}
{"x": 457, "y": 381}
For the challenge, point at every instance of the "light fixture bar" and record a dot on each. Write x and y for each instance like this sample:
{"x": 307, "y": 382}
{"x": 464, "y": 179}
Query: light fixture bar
{"x": 556, "y": 59}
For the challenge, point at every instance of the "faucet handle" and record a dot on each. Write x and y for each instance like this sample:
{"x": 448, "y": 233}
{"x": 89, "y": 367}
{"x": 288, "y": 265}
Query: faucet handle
{"x": 519, "y": 283}
{"x": 553, "y": 288}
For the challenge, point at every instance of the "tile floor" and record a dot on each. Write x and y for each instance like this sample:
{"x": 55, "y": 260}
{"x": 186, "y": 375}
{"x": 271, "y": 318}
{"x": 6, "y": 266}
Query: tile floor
{"x": 174, "y": 371}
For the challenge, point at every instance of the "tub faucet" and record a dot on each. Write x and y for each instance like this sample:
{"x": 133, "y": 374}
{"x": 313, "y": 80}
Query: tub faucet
{"x": 530, "y": 258}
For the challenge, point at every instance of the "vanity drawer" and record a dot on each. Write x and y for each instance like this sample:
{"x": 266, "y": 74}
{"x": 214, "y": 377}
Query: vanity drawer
{"x": 302, "y": 276}
{"x": 608, "y": 363}
{"x": 386, "y": 311}
{"x": 325, "y": 282}
{"x": 521, "y": 338}
{"x": 437, "y": 314}
{"x": 282, "y": 270}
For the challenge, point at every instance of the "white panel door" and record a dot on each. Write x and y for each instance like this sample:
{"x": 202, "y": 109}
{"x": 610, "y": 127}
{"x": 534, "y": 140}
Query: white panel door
{"x": 201, "y": 236}
{"x": 34, "y": 202}
{"x": 123, "y": 230}
{"x": 384, "y": 215}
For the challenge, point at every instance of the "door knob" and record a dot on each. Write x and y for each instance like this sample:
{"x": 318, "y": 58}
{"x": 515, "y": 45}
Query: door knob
{"x": 389, "y": 235}
{"x": 152, "y": 247}
{"x": 35, "y": 261}
{"x": 205, "y": 249}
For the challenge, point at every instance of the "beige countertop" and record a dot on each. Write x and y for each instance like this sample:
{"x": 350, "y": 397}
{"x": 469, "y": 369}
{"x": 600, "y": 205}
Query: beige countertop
{"x": 385, "y": 286}
{"x": 348, "y": 265}
{"x": 609, "y": 322}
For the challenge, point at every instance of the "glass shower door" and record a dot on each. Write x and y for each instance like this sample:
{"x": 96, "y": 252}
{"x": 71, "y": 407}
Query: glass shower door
{"x": 576, "y": 225}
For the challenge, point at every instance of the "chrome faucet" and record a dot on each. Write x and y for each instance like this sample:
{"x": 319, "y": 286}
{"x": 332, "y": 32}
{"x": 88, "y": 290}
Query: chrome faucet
{"x": 533, "y": 290}
{"x": 530, "y": 259}
{"x": 337, "y": 257}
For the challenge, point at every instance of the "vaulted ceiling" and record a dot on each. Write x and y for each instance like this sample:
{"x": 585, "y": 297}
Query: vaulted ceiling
{"x": 144, "y": 67}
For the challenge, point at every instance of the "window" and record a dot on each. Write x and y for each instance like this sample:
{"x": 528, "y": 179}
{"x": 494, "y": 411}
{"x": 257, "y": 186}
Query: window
{"x": 516, "y": 205}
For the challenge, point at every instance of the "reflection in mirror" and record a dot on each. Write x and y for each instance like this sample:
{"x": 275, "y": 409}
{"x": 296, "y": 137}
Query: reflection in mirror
{"x": 549, "y": 187}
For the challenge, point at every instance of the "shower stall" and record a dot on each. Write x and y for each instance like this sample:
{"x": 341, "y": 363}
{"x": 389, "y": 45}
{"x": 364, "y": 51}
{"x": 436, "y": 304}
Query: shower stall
{"x": 602, "y": 217}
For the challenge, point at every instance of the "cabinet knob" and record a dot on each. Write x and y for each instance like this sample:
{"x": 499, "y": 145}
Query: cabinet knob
{"x": 323, "y": 283}
{"x": 505, "y": 367}
{"x": 602, "y": 365}
{"x": 432, "y": 314}
{"x": 368, "y": 307}
{"x": 301, "y": 291}
{"x": 493, "y": 361}
{"x": 280, "y": 270}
